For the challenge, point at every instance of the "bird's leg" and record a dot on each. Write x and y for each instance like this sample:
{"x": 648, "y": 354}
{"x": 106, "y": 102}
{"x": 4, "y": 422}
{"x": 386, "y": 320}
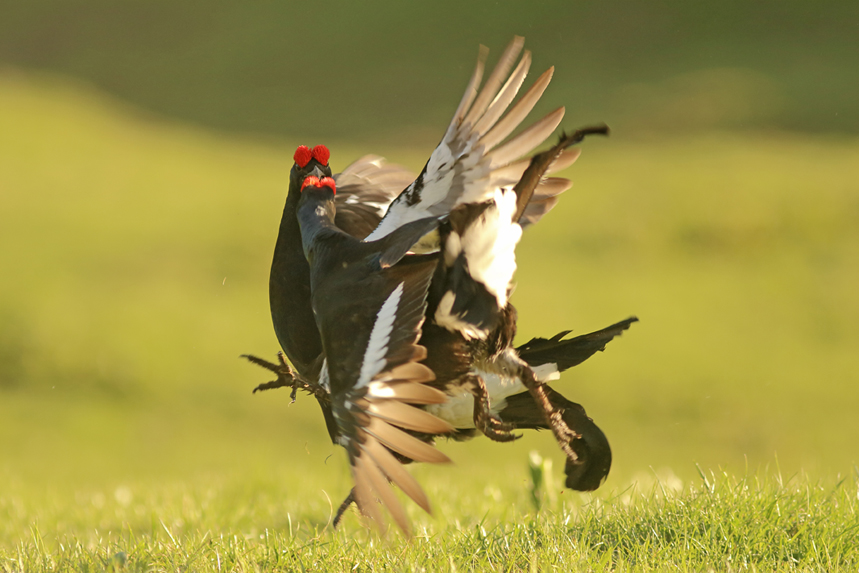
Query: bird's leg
{"x": 350, "y": 499}
{"x": 484, "y": 419}
{"x": 554, "y": 417}
{"x": 286, "y": 376}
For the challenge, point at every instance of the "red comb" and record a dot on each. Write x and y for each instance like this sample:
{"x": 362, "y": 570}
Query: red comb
{"x": 312, "y": 180}
{"x": 302, "y": 155}
{"x": 316, "y": 182}
{"x": 321, "y": 154}
{"x": 328, "y": 182}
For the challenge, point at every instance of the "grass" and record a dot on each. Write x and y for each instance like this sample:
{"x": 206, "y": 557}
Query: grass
{"x": 135, "y": 255}
{"x": 719, "y": 523}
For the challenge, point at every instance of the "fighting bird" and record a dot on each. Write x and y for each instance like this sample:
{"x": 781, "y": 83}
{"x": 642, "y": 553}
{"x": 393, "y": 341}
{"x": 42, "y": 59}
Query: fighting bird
{"x": 485, "y": 195}
{"x": 369, "y": 300}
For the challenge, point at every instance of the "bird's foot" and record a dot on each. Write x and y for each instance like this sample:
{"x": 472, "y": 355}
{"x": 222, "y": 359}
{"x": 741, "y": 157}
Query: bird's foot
{"x": 554, "y": 417}
{"x": 563, "y": 434}
{"x": 350, "y": 499}
{"x": 286, "y": 376}
{"x": 495, "y": 428}
{"x": 491, "y": 425}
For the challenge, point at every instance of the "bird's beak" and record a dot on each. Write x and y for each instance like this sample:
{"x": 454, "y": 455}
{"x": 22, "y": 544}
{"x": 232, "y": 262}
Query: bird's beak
{"x": 317, "y": 172}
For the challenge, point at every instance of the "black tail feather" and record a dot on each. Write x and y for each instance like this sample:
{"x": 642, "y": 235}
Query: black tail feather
{"x": 593, "y": 452}
{"x": 573, "y": 351}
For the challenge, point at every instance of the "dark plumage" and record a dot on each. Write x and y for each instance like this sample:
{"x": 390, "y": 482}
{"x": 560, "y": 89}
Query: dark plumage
{"x": 469, "y": 325}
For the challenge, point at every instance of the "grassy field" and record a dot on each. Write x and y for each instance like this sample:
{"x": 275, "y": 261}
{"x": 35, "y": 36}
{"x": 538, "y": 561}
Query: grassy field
{"x": 135, "y": 257}
{"x": 720, "y": 523}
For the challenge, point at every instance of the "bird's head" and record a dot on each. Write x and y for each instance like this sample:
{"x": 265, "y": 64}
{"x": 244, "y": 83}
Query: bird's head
{"x": 317, "y": 199}
{"x": 324, "y": 188}
{"x": 309, "y": 163}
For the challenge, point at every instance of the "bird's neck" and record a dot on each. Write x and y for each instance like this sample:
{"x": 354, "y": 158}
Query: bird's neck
{"x": 289, "y": 292}
{"x": 316, "y": 218}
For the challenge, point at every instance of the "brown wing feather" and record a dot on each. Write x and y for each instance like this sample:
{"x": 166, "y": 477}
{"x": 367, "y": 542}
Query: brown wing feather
{"x": 366, "y": 410}
{"x": 408, "y": 392}
{"x": 410, "y": 371}
{"x": 404, "y": 444}
{"x": 383, "y": 490}
{"x": 397, "y": 473}
{"x": 408, "y": 417}
{"x": 363, "y": 492}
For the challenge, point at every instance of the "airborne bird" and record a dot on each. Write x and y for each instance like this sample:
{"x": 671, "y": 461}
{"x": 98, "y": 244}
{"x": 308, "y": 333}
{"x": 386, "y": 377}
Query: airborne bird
{"x": 468, "y": 333}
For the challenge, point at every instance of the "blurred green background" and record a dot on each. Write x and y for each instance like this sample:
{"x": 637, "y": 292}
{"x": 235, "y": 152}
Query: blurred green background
{"x": 144, "y": 155}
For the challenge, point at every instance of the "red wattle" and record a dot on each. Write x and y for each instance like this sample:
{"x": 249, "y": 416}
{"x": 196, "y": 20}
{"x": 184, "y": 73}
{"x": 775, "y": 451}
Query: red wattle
{"x": 302, "y": 156}
{"x": 321, "y": 154}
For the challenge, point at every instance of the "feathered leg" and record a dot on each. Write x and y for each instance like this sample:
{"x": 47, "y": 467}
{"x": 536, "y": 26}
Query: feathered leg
{"x": 484, "y": 420}
{"x": 590, "y": 465}
{"x": 552, "y": 416}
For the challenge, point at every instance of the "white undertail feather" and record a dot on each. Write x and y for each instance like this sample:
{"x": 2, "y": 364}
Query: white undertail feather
{"x": 458, "y": 411}
{"x": 377, "y": 347}
{"x": 547, "y": 372}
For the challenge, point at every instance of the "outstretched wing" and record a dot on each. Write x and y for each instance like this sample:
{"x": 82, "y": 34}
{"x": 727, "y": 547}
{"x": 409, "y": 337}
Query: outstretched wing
{"x": 365, "y": 190}
{"x": 472, "y": 161}
{"x": 377, "y": 412}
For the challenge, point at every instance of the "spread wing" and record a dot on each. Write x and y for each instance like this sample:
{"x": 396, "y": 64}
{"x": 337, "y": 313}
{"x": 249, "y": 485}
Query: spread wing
{"x": 376, "y": 413}
{"x": 473, "y": 160}
{"x": 365, "y": 190}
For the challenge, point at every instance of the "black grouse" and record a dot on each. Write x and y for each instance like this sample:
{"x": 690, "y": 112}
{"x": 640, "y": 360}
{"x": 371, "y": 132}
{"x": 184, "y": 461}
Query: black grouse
{"x": 470, "y": 334}
{"x": 369, "y": 301}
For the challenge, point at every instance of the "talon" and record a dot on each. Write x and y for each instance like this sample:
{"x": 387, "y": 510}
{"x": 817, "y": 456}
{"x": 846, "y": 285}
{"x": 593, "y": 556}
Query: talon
{"x": 286, "y": 376}
{"x": 499, "y": 435}
{"x": 491, "y": 425}
{"x": 562, "y": 432}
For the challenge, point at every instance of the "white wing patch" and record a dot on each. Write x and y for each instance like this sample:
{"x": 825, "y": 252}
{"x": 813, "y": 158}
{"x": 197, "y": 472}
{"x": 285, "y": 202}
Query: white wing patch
{"x": 468, "y": 166}
{"x": 324, "y": 377}
{"x": 377, "y": 347}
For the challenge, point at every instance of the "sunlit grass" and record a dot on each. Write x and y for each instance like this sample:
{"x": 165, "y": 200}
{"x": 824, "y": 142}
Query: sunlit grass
{"x": 718, "y": 522}
{"x": 135, "y": 257}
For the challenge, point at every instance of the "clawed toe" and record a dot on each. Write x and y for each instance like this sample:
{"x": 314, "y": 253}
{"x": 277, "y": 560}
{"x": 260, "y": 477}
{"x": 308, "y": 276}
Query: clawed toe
{"x": 496, "y": 429}
{"x": 563, "y": 434}
{"x": 286, "y": 376}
